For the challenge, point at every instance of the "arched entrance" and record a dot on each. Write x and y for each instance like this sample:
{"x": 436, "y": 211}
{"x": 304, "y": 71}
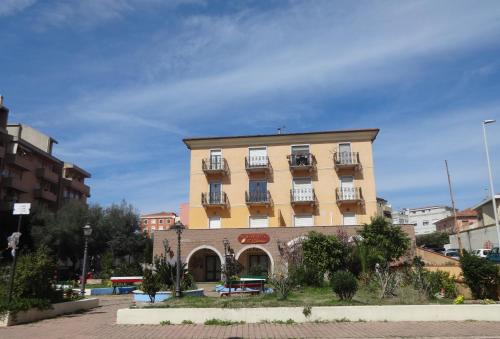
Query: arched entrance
{"x": 204, "y": 264}
{"x": 255, "y": 260}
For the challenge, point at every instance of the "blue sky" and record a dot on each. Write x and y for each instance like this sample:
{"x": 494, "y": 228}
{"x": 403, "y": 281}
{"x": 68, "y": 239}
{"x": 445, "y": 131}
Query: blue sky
{"x": 119, "y": 83}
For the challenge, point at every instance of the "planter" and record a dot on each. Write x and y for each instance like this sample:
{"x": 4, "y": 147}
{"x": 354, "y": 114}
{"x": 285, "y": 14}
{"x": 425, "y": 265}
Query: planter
{"x": 194, "y": 293}
{"x": 140, "y": 296}
{"x": 324, "y": 313}
{"x": 35, "y": 314}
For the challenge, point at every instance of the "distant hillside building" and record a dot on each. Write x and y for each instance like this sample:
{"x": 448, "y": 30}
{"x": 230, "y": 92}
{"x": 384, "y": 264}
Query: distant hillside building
{"x": 384, "y": 209}
{"x": 466, "y": 220}
{"x": 424, "y": 218}
{"x": 157, "y": 221}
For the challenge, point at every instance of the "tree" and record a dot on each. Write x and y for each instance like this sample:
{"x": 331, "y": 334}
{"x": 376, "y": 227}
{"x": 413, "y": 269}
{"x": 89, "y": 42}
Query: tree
{"x": 384, "y": 241}
{"x": 482, "y": 276}
{"x": 324, "y": 254}
{"x": 433, "y": 240}
{"x": 151, "y": 284}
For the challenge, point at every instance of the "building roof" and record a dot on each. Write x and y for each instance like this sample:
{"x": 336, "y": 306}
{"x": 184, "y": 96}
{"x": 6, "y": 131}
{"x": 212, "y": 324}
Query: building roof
{"x": 371, "y": 134}
{"x": 68, "y": 165}
{"x": 159, "y": 214}
{"x": 484, "y": 202}
{"x": 466, "y": 213}
{"x": 427, "y": 207}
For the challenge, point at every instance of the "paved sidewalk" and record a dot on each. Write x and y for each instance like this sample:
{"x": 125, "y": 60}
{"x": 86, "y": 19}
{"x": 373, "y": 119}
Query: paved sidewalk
{"x": 100, "y": 323}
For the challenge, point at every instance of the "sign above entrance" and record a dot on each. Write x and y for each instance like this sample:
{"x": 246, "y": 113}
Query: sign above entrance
{"x": 253, "y": 238}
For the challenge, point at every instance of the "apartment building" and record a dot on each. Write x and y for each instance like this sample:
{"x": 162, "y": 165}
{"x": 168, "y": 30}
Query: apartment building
{"x": 160, "y": 221}
{"x": 253, "y": 191}
{"x": 384, "y": 209}
{"x": 31, "y": 173}
{"x": 425, "y": 218}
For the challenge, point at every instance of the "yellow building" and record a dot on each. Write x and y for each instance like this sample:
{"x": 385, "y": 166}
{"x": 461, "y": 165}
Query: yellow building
{"x": 282, "y": 180}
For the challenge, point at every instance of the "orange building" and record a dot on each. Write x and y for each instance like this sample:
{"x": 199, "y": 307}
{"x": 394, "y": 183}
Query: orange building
{"x": 157, "y": 221}
{"x": 466, "y": 220}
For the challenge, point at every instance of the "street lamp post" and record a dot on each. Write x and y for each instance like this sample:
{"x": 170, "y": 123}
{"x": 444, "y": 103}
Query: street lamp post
{"x": 87, "y": 231}
{"x": 178, "y": 227}
{"x": 492, "y": 190}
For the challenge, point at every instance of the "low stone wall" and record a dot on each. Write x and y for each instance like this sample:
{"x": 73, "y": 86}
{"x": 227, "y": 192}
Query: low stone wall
{"x": 330, "y": 313}
{"x": 34, "y": 314}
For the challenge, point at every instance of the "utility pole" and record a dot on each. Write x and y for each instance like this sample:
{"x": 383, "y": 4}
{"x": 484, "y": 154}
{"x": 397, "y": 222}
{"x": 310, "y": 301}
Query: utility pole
{"x": 457, "y": 231}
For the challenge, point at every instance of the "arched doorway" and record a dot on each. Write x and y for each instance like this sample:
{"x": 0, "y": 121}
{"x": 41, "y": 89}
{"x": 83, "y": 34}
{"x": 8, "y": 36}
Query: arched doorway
{"x": 204, "y": 264}
{"x": 255, "y": 260}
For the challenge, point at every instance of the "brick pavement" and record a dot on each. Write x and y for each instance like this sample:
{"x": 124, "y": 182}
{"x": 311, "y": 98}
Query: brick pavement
{"x": 100, "y": 323}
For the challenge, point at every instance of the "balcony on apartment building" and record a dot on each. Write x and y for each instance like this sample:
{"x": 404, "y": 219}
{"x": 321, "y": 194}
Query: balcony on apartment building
{"x": 257, "y": 164}
{"x": 45, "y": 195}
{"x": 301, "y": 162}
{"x": 47, "y": 175}
{"x": 346, "y": 160}
{"x": 303, "y": 196}
{"x": 215, "y": 165}
{"x": 258, "y": 198}
{"x": 79, "y": 186}
{"x": 214, "y": 199}
{"x": 346, "y": 195}
{"x": 15, "y": 184}
{"x": 19, "y": 161}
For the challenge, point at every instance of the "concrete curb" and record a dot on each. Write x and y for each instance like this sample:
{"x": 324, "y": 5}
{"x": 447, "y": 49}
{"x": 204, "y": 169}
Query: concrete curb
{"x": 148, "y": 316}
{"x": 34, "y": 314}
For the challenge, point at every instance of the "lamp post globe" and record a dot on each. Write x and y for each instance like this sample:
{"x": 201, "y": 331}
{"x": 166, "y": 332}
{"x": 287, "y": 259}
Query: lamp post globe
{"x": 87, "y": 232}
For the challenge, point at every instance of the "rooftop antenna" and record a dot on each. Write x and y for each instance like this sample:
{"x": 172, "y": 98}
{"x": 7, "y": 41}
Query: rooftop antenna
{"x": 280, "y": 129}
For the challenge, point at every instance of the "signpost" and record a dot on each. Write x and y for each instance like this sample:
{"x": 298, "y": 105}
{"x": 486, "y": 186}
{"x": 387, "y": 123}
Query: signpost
{"x": 20, "y": 210}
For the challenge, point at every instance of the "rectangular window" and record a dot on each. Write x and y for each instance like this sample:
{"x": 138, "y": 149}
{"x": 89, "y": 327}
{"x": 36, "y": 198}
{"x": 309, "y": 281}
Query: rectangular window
{"x": 300, "y": 156}
{"x": 302, "y": 189}
{"x": 214, "y": 222}
{"x": 349, "y": 219}
{"x": 215, "y": 159}
{"x": 345, "y": 154}
{"x": 215, "y": 192}
{"x": 257, "y": 190}
{"x": 161, "y": 221}
{"x": 257, "y": 156}
{"x": 303, "y": 220}
{"x": 259, "y": 221}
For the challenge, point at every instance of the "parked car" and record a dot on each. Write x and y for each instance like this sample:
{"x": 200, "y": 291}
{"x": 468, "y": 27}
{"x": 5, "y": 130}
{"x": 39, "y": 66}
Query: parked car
{"x": 494, "y": 255}
{"x": 452, "y": 253}
{"x": 481, "y": 252}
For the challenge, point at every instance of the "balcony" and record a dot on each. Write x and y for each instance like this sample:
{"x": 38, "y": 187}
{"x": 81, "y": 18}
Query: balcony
{"x": 303, "y": 196}
{"x": 80, "y": 187}
{"x": 214, "y": 199}
{"x": 302, "y": 162}
{"x": 215, "y": 165}
{"x": 22, "y": 162}
{"x": 47, "y": 175}
{"x": 2, "y": 151}
{"x": 15, "y": 184}
{"x": 258, "y": 198}
{"x": 257, "y": 164}
{"x": 45, "y": 195}
{"x": 346, "y": 195}
{"x": 346, "y": 160}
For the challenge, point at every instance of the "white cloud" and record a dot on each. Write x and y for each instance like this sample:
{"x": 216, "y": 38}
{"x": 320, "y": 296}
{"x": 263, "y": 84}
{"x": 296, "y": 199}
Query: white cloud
{"x": 11, "y": 7}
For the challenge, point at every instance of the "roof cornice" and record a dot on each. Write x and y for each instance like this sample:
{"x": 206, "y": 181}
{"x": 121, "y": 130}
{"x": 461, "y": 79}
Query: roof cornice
{"x": 283, "y": 139}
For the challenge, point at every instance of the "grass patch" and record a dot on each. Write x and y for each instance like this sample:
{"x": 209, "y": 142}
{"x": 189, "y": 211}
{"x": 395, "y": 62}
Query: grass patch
{"x": 187, "y": 322}
{"x": 280, "y": 322}
{"x": 219, "y": 322}
{"x": 165, "y": 322}
{"x": 310, "y": 296}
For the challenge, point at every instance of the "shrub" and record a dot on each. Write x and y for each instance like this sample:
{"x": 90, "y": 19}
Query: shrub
{"x": 258, "y": 270}
{"x": 344, "y": 284}
{"x": 323, "y": 254}
{"x": 440, "y": 280}
{"x": 151, "y": 284}
{"x": 35, "y": 276}
{"x": 281, "y": 282}
{"x": 482, "y": 276}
